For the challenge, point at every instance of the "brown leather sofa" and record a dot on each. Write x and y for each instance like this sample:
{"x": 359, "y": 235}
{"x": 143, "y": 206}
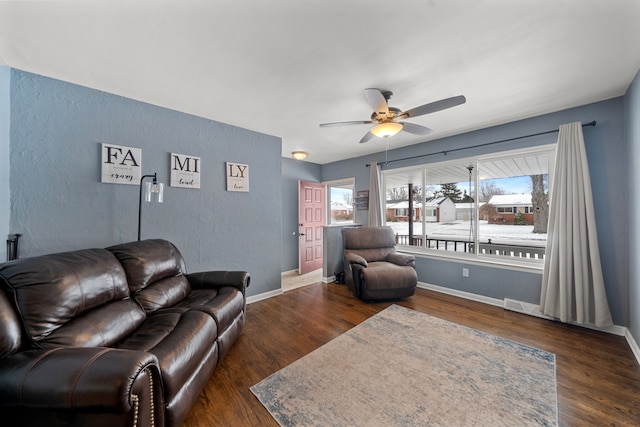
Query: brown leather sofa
{"x": 121, "y": 336}
{"x": 373, "y": 269}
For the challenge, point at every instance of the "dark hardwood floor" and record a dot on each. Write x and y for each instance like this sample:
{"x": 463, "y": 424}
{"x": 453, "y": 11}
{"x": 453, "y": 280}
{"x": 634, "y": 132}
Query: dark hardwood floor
{"x": 598, "y": 377}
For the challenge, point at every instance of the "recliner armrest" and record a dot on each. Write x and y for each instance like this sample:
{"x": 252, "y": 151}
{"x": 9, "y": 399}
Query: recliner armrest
{"x": 401, "y": 259}
{"x": 79, "y": 378}
{"x": 352, "y": 258}
{"x": 218, "y": 279}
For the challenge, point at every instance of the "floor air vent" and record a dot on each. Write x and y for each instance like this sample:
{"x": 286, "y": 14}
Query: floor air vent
{"x": 524, "y": 307}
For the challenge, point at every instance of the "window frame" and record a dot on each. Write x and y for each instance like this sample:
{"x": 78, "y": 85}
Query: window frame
{"x": 513, "y": 263}
{"x": 340, "y": 183}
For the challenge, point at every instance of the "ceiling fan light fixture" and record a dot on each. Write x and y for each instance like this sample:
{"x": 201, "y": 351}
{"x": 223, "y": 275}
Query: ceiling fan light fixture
{"x": 386, "y": 129}
{"x": 299, "y": 155}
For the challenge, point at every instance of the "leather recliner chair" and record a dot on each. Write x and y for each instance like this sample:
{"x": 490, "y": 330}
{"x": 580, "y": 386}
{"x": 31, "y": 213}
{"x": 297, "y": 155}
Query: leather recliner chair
{"x": 374, "y": 270}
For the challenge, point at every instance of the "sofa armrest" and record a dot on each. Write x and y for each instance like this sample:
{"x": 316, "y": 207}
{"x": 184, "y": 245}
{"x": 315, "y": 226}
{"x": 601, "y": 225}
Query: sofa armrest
{"x": 351, "y": 258}
{"x": 401, "y": 259}
{"x": 218, "y": 279}
{"x": 81, "y": 379}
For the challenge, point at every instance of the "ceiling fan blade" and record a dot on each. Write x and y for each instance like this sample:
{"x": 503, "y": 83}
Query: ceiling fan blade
{"x": 432, "y": 107}
{"x": 415, "y": 129}
{"x": 354, "y": 122}
{"x": 376, "y": 100}
{"x": 367, "y": 137}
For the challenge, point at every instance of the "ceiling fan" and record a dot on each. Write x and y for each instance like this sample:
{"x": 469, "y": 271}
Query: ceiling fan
{"x": 386, "y": 119}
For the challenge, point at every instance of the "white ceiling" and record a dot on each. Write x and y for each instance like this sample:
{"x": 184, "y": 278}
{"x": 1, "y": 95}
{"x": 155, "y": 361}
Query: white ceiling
{"x": 281, "y": 67}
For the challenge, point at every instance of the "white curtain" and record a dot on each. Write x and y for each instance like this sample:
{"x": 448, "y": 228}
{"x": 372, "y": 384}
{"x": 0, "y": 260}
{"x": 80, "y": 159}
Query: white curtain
{"x": 572, "y": 284}
{"x": 375, "y": 207}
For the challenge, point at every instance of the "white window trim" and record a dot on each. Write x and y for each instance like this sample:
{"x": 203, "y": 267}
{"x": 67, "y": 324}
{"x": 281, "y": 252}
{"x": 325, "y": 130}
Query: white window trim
{"x": 506, "y": 263}
{"x": 509, "y": 263}
{"x": 335, "y": 183}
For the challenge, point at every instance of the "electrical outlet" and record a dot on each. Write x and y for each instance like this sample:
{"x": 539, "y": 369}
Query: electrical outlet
{"x": 465, "y": 272}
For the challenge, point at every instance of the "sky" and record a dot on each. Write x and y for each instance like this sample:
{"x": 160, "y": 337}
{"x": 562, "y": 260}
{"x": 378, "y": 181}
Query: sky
{"x": 337, "y": 194}
{"x": 516, "y": 185}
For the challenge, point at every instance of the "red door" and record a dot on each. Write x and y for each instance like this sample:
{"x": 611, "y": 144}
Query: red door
{"x": 311, "y": 217}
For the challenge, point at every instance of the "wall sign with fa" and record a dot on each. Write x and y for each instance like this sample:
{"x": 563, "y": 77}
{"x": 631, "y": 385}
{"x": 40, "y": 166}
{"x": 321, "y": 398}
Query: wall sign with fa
{"x": 120, "y": 164}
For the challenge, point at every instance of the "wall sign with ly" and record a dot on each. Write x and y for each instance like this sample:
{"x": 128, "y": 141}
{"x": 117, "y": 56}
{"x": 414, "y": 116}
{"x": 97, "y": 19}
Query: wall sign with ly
{"x": 237, "y": 177}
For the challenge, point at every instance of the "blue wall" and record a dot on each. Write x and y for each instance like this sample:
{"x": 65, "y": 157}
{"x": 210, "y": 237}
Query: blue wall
{"x": 5, "y": 85}
{"x": 292, "y": 171}
{"x": 632, "y": 134}
{"x": 59, "y": 203}
{"x": 606, "y": 151}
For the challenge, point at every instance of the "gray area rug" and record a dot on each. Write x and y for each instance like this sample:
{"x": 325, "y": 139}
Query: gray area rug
{"x": 406, "y": 368}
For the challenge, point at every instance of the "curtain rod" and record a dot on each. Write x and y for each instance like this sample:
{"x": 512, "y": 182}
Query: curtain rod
{"x": 445, "y": 152}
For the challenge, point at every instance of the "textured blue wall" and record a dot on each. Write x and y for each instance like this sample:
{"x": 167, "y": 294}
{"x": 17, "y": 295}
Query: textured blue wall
{"x": 5, "y": 85}
{"x": 59, "y": 203}
{"x": 606, "y": 152}
{"x": 292, "y": 171}
{"x": 632, "y": 135}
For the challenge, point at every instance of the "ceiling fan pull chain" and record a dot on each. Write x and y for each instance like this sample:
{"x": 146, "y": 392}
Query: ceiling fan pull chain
{"x": 386, "y": 154}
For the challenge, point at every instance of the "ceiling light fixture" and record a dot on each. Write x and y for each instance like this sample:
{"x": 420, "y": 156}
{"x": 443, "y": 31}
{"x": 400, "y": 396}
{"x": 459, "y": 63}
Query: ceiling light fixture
{"x": 299, "y": 155}
{"x": 386, "y": 129}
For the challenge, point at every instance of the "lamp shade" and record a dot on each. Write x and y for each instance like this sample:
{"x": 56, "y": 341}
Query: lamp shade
{"x": 386, "y": 129}
{"x": 154, "y": 192}
{"x": 299, "y": 155}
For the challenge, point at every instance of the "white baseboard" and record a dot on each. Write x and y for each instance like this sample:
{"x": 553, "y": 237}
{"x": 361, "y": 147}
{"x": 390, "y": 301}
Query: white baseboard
{"x": 329, "y": 279}
{"x": 264, "y": 295}
{"x": 462, "y": 294}
{"x": 532, "y": 310}
{"x": 613, "y": 330}
{"x": 525, "y": 307}
{"x": 633, "y": 344}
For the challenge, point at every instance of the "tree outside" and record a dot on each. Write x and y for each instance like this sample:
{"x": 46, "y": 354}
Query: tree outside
{"x": 397, "y": 193}
{"x": 348, "y": 198}
{"x": 488, "y": 189}
{"x": 540, "y": 202}
{"x": 451, "y": 191}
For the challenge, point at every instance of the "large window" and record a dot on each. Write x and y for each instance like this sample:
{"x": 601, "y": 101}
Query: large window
{"x": 490, "y": 206}
{"x": 340, "y": 201}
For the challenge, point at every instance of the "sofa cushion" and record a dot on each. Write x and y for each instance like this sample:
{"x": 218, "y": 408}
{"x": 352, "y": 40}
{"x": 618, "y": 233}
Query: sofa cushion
{"x": 385, "y": 275}
{"x": 368, "y": 237}
{"x": 371, "y": 243}
{"x": 180, "y": 341}
{"x": 72, "y": 290}
{"x": 224, "y": 305}
{"x": 101, "y": 327}
{"x": 372, "y": 255}
{"x": 155, "y": 271}
{"x": 10, "y": 330}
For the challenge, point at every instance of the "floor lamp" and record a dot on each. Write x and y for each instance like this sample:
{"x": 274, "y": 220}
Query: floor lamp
{"x": 154, "y": 192}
